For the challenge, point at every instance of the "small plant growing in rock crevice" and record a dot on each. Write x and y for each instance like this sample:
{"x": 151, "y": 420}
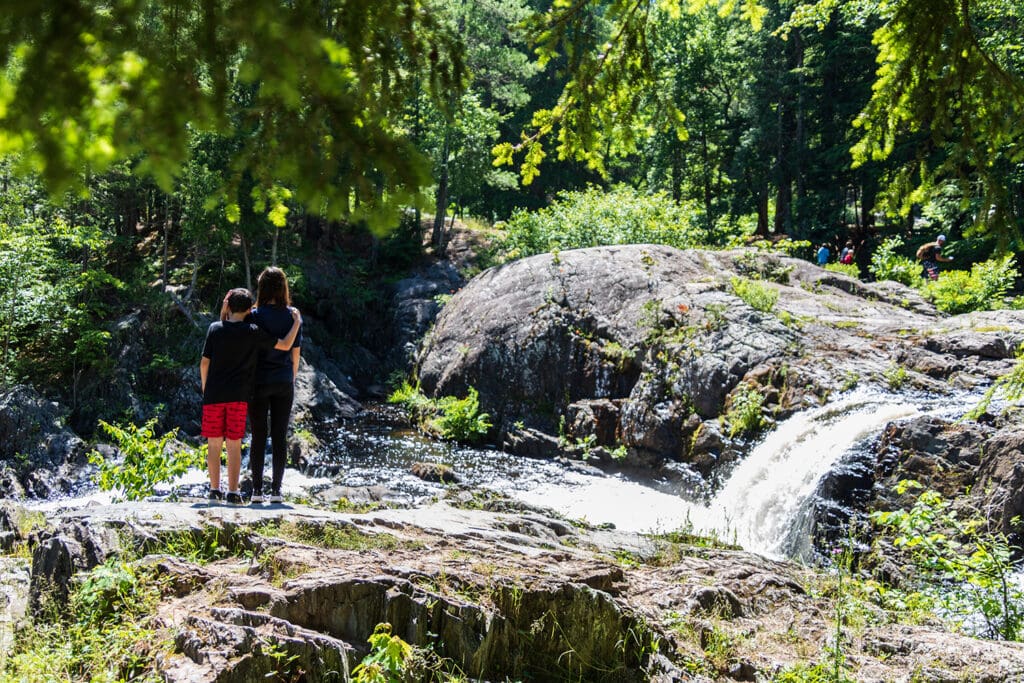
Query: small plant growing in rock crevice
{"x": 389, "y": 659}
{"x": 449, "y": 417}
{"x": 756, "y": 295}
{"x": 1009, "y": 387}
{"x": 744, "y": 414}
{"x": 895, "y": 376}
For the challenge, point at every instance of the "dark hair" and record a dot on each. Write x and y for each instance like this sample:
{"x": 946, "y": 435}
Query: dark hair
{"x": 272, "y": 285}
{"x": 239, "y": 300}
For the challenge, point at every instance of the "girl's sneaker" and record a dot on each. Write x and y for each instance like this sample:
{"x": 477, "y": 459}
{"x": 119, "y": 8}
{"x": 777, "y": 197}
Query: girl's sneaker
{"x": 234, "y": 498}
{"x": 257, "y": 499}
{"x": 276, "y": 498}
{"x": 215, "y": 495}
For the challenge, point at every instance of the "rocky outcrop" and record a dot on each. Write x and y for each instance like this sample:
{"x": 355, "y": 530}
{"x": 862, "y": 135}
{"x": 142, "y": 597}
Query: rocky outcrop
{"x": 416, "y": 301}
{"x": 978, "y": 466}
{"x": 493, "y": 595}
{"x": 647, "y": 351}
{"x": 38, "y": 453}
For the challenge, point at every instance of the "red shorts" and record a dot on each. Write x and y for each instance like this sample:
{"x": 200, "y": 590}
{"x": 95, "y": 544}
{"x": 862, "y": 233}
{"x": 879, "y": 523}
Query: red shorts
{"x": 224, "y": 420}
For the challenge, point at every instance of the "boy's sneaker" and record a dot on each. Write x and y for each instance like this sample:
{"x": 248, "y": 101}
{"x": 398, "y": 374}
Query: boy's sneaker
{"x": 257, "y": 499}
{"x": 234, "y": 498}
{"x": 275, "y": 498}
{"x": 215, "y": 495}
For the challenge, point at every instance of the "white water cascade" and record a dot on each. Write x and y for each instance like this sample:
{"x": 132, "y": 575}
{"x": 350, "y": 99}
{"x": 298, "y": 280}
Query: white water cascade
{"x": 762, "y": 498}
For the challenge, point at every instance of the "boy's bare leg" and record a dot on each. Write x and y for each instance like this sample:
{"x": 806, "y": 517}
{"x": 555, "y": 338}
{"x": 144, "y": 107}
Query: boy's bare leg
{"x": 234, "y": 447}
{"x": 213, "y": 449}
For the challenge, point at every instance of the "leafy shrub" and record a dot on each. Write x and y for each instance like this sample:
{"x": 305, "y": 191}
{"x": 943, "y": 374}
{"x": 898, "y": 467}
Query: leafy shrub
{"x": 461, "y": 419}
{"x": 146, "y": 462}
{"x": 744, "y": 415}
{"x": 965, "y": 568}
{"x": 449, "y": 417}
{"x": 887, "y": 263}
{"x": 983, "y": 288}
{"x": 107, "y": 591}
{"x": 781, "y": 246}
{"x": 850, "y": 269}
{"x": 594, "y": 217}
{"x": 758, "y": 296}
{"x": 410, "y": 397}
{"x": 104, "y": 632}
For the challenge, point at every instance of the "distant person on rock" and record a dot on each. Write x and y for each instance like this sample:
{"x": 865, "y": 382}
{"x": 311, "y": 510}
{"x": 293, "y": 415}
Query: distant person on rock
{"x": 930, "y": 255}
{"x": 226, "y": 373}
{"x": 823, "y": 254}
{"x": 845, "y": 253}
{"x": 275, "y": 384}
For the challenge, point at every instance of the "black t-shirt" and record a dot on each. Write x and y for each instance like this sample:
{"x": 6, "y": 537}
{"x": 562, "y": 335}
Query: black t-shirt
{"x": 233, "y": 349}
{"x": 275, "y": 366}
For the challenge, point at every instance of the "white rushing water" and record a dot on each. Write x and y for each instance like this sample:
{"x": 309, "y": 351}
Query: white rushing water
{"x": 761, "y": 506}
{"x": 760, "y": 501}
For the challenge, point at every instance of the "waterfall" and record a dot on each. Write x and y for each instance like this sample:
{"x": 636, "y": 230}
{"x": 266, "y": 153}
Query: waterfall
{"x": 763, "y": 497}
{"x": 768, "y": 490}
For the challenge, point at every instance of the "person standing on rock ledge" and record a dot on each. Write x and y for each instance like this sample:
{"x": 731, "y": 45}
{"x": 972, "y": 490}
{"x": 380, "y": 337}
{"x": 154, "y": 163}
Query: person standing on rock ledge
{"x": 930, "y": 255}
{"x": 823, "y": 254}
{"x": 275, "y": 384}
{"x": 226, "y": 374}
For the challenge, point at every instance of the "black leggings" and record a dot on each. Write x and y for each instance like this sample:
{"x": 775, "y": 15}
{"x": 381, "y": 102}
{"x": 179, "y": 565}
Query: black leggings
{"x": 278, "y": 399}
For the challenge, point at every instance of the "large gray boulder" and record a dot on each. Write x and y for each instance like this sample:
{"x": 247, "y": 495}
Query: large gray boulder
{"x": 661, "y": 340}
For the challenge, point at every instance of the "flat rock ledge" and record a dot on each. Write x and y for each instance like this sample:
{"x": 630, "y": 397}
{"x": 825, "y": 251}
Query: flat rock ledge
{"x": 497, "y": 594}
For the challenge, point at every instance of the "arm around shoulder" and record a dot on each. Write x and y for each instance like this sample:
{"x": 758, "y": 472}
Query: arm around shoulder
{"x": 204, "y": 370}
{"x": 289, "y": 339}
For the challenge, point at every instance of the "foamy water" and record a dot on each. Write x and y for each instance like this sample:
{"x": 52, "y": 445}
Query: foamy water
{"x": 757, "y": 506}
{"x": 762, "y": 497}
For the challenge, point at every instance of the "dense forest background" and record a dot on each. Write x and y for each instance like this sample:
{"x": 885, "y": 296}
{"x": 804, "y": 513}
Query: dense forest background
{"x": 156, "y": 154}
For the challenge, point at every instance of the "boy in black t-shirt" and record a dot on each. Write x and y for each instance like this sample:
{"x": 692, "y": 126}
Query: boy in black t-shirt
{"x": 227, "y": 372}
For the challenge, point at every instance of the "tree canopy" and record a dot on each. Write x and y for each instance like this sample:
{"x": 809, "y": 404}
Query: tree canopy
{"x": 308, "y": 93}
{"x": 312, "y": 99}
{"x": 949, "y": 79}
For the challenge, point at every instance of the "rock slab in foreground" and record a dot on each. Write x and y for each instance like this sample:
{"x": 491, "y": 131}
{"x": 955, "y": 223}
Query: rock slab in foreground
{"x": 500, "y": 595}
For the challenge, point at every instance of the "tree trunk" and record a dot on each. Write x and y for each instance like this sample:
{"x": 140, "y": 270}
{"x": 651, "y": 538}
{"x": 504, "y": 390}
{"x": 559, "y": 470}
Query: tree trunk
{"x": 168, "y": 219}
{"x": 762, "y": 213}
{"x": 783, "y": 206}
{"x": 706, "y": 178}
{"x": 245, "y": 261}
{"x": 441, "y": 199}
{"x": 273, "y": 247}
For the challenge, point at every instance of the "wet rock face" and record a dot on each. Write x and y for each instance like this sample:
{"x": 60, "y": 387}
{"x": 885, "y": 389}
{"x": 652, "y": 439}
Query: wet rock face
{"x": 38, "y": 453}
{"x": 977, "y": 466}
{"x": 643, "y": 334}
